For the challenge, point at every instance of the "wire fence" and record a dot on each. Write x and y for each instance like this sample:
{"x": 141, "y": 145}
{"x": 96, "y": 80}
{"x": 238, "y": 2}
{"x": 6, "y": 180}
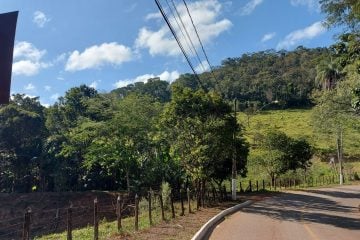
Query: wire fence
{"x": 117, "y": 207}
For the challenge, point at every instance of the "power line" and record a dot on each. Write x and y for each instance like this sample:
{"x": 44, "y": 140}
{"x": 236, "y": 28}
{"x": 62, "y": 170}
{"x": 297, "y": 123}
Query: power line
{"x": 179, "y": 42}
{"x": 187, "y": 34}
{"x": 181, "y": 30}
{"x": 201, "y": 44}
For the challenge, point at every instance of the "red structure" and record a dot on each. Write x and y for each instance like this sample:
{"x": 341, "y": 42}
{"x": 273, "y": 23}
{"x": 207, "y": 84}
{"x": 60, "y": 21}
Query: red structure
{"x": 7, "y": 36}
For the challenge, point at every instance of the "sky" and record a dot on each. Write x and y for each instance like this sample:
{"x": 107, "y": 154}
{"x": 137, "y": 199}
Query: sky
{"x": 107, "y": 44}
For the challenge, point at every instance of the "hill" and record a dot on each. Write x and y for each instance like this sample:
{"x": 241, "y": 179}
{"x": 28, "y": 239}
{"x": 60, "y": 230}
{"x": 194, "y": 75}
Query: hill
{"x": 297, "y": 123}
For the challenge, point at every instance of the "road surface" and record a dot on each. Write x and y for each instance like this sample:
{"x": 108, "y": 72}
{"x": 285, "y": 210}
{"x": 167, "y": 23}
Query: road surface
{"x": 317, "y": 214}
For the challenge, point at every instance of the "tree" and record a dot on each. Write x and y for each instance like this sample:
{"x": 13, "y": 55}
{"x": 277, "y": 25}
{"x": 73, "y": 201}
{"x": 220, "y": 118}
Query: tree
{"x": 123, "y": 145}
{"x": 344, "y": 12}
{"x": 328, "y": 74}
{"x": 278, "y": 153}
{"x": 334, "y": 110}
{"x": 200, "y": 129}
{"x": 22, "y": 133}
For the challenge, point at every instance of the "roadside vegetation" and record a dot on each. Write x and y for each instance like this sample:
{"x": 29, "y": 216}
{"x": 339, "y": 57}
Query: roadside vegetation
{"x": 296, "y": 111}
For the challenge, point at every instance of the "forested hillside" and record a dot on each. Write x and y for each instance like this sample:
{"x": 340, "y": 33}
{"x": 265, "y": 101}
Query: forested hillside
{"x": 254, "y": 78}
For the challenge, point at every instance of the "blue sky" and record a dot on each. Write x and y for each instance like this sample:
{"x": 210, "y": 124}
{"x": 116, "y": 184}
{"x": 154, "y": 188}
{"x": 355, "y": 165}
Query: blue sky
{"x": 110, "y": 43}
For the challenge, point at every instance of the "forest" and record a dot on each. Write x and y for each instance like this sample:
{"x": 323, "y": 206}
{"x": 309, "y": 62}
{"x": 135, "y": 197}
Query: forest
{"x": 183, "y": 132}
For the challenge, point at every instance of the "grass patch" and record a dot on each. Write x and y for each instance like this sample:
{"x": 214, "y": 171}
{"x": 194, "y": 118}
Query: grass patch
{"x": 108, "y": 229}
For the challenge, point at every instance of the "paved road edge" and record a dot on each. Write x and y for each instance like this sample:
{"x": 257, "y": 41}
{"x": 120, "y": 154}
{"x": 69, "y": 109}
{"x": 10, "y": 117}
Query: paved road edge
{"x": 204, "y": 230}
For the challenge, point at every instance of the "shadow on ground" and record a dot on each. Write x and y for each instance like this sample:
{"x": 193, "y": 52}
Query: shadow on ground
{"x": 310, "y": 208}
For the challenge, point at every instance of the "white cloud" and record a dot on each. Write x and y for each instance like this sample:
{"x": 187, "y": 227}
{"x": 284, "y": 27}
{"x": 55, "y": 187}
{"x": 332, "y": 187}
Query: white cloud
{"x": 47, "y": 88}
{"x": 97, "y": 56}
{"x": 40, "y": 19}
{"x": 150, "y": 16}
{"x": 297, "y": 36}
{"x": 28, "y": 51}
{"x": 313, "y": 5}
{"x": 27, "y": 59}
{"x": 94, "y": 84}
{"x": 268, "y": 37}
{"x": 55, "y": 96}
{"x": 26, "y": 68}
{"x": 202, "y": 67}
{"x": 205, "y": 14}
{"x": 29, "y": 87}
{"x": 166, "y": 76}
{"x": 60, "y": 78}
{"x": 250, "y": 7}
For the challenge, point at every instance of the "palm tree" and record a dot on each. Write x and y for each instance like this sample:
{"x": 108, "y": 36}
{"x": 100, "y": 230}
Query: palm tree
{"x": 327, "y": 74}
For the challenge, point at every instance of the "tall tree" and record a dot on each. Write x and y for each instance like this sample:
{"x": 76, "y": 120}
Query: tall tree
{"x": 200, "y": 129}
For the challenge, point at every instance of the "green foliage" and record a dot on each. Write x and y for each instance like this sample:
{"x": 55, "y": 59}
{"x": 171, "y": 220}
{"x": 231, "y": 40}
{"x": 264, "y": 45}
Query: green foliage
{"x": 21, "y": 139}
{"x": 200, "y": 129}
{"x": 154, "y": 87}
{"x": 344, "y": 12}
{"x": 278, "y": 153}
{"x": 266, "y": 76}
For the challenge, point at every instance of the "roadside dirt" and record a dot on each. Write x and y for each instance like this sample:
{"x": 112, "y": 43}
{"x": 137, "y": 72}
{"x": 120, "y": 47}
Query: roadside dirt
{"x": 185, "y": 227}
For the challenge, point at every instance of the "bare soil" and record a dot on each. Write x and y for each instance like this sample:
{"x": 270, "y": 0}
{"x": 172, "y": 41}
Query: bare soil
{"x": 185, "y": 227}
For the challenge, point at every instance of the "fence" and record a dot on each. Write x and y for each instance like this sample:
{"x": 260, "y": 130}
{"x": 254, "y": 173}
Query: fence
{"x": 35, "y": 224}
{"x": 117, "y": 208}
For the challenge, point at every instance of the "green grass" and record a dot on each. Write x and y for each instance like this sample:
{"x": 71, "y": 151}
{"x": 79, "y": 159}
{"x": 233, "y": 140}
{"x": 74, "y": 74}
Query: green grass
{"x": 297, "y": 123}
{"x": 109, "y": 228}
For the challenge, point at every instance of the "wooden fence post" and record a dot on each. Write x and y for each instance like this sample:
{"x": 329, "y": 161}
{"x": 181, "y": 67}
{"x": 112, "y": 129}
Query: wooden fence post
{"x": 150, "y": 210}
{"x": 69, "y": 223}
{"x": 257, "y": 185}
{"x": 118, "y": 213}
{"x": 189, "y": 200}
{"x": 182, "y": 202}
{"x": 136, "y": 212}
{"x": 225, "y": 193}
{"x": 96, "y": 222}
{"x": 162, "y": 207}
{"x": 172, "y": 204}
{"x": 26, "y": 226}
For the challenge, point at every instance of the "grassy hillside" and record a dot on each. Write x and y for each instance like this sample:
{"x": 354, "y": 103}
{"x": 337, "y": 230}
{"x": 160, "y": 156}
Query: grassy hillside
{"x": 297, "y": 123}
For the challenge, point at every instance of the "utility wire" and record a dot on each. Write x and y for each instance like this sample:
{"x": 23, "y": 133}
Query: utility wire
{"x": 202, "y": 46}
{"x": 181, "y": 30}
{"x": 179, "y": 43}
{"x": 188, "y": 35}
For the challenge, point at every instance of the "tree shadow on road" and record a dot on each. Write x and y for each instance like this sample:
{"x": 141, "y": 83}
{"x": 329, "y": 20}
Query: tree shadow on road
{"x": 338, "y": 194}
{"x": 307, "y": 208}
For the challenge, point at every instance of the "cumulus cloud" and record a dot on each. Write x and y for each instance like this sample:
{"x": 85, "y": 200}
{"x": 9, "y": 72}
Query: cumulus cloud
{"x": 40, "y": 19}
{"x": 313, "y": 5}
{"x": 250, "y": 7}
{"x": 98, "y": 56}
{"x": 28, "y": 59}
{"x": 29, "y": 87}
{"x": 205, "y": 15}
{"x": 202, "y": 67}
{"x": 297, "y": 36}
{"x": 166, "y": 76}
{"x": 268, "y": 37}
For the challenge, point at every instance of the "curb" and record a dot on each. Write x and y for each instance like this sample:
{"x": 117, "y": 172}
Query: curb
{"x": 205, "y": 229}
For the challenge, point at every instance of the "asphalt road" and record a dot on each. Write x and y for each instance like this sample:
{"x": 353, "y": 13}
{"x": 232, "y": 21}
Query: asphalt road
{"x": 318, "y": 214}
